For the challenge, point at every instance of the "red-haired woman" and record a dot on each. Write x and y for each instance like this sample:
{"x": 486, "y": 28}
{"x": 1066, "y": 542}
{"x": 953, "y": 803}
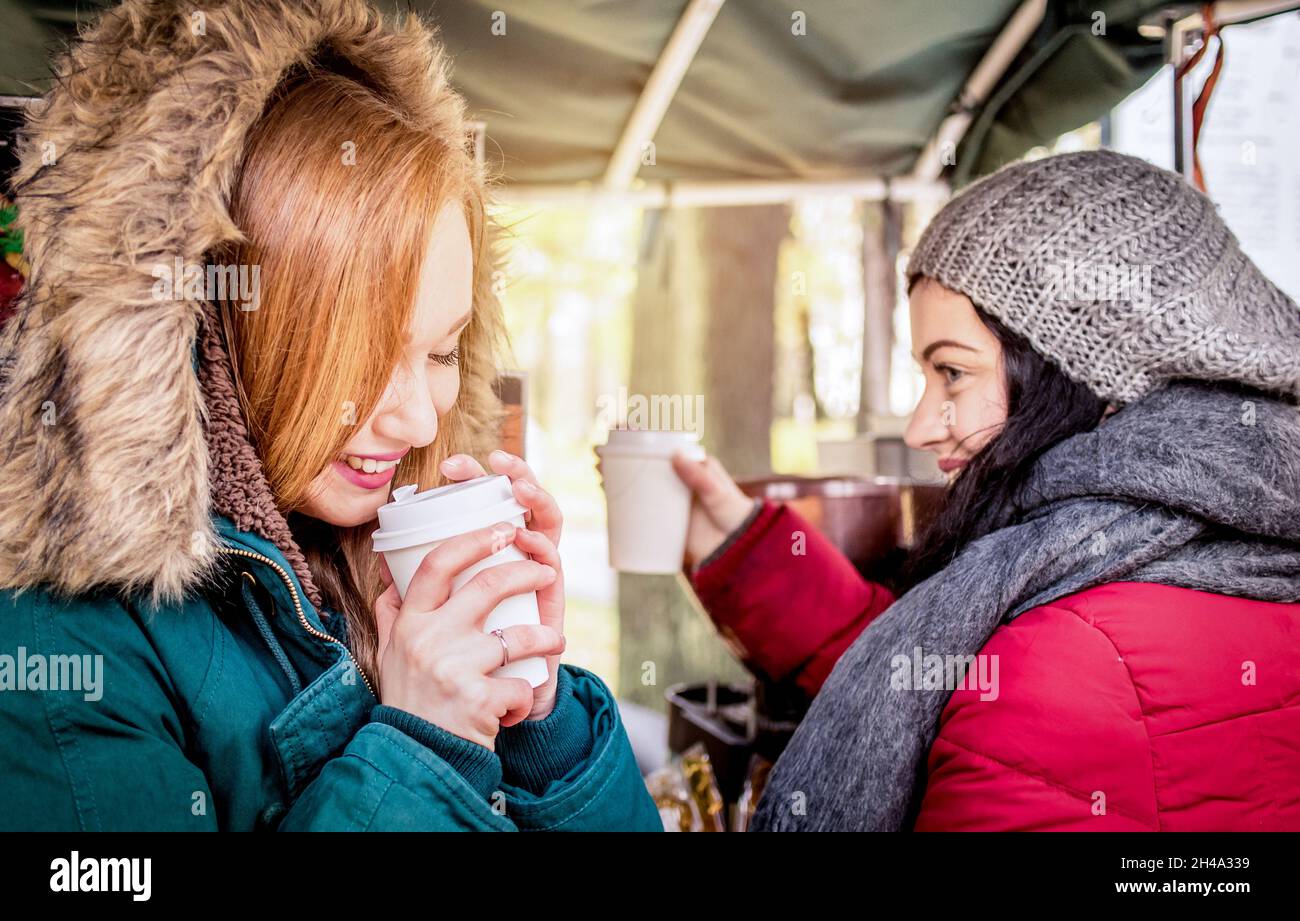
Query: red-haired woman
{"x": 191, "y": 474}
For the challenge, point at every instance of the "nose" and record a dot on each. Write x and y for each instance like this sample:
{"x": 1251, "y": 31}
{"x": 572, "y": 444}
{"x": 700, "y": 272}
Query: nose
{"x": 928, "y": 429}
{"x": 408, "y": 413}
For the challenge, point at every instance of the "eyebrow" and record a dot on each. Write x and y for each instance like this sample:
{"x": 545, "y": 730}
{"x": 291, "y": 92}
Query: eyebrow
{"x": 455, "y": 328}
{"x": 461, "y": 323}
{"x": 933, "y": 346}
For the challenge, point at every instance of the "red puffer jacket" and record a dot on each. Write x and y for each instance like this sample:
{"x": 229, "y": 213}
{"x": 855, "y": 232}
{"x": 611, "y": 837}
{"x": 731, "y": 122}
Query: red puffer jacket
{"x": 1129, "y": 706}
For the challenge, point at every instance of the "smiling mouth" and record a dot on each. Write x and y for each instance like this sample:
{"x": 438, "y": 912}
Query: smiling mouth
{"x": 368, "y": 464}
{"x": 368, "y": 473}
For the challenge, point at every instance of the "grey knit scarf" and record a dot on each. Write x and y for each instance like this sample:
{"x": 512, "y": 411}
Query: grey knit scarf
{"x": 1194, "y": 485}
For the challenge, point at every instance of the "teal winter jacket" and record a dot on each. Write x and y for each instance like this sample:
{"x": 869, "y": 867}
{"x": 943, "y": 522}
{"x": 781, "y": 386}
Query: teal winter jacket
{"x": 240, "y": 710}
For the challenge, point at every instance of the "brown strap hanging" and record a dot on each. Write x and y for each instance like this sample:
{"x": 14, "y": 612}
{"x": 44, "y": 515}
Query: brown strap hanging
{"x": 1207, "y": 90}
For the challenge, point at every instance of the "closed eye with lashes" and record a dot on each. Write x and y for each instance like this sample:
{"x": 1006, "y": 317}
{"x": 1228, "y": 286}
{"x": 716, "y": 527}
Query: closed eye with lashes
{"x": 450, "y": 359}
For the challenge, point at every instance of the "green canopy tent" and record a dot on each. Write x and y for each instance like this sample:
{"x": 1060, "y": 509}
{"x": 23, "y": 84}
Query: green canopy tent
{"x": 814, "y": 91}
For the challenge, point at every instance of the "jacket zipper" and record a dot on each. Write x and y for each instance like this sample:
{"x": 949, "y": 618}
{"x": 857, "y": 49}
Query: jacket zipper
{"x": 302, "y": 617}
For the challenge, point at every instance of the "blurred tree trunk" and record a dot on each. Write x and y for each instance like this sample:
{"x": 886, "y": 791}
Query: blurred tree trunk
{"x": 702, "y": 324}
{"x": 808, "y": 360}
{"x": 881, "y": 233}
{"x": 739, "y": 247}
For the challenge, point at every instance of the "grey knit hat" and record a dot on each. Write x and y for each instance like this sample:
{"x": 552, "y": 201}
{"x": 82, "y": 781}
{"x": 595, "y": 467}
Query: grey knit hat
{"x": 1120, "y": 272}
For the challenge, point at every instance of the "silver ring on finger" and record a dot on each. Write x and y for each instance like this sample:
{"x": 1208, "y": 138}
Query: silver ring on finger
{"x": 505, "y": 647}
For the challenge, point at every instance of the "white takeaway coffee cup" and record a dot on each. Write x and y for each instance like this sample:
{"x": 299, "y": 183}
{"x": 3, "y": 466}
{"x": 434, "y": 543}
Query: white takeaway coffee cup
{"x": 648, "y": 507}
{"x": 413, "y": 523}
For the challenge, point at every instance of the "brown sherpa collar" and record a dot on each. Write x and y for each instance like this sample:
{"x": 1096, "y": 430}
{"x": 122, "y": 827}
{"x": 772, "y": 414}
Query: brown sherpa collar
{"x": 239, "y": 488}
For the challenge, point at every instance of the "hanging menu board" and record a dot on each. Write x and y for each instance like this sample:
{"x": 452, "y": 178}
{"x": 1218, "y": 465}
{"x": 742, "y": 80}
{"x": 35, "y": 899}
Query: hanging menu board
{"x": 1248, "y": 142}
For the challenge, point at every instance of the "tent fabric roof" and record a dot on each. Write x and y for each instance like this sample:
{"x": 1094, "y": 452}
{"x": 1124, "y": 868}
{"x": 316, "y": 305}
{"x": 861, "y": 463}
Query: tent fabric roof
{"x": 858, "y": 95}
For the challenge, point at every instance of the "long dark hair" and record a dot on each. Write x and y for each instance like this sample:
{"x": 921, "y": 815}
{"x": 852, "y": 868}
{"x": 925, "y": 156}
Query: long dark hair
{"x": 1044, "y": 407}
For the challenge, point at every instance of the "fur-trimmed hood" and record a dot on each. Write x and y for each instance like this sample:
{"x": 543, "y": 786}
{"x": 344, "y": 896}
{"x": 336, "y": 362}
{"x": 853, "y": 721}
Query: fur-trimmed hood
{"x": 114, "y": 453}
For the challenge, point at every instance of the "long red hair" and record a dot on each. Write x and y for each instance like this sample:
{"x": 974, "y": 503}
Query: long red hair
{"x": 336, "y": 198}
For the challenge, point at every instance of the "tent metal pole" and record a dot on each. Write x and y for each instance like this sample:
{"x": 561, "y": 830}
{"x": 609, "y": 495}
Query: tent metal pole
{"x": 695, "y": 194}
{"x": 1227, "y": 12}
{"x": 941, "y": 151}
{"x": 659, "y": 90}
{"x": 1179, "y": 37}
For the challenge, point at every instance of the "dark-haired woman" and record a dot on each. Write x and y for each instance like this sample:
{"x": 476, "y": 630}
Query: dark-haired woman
{"x": 1100, "y": 628}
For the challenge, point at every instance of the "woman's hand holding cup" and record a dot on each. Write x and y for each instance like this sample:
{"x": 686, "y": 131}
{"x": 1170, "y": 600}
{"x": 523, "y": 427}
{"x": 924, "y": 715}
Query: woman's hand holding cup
{"x": 436, "y": 662}
{"x": 717, "y": 508}
{"x": 540, "y": 540}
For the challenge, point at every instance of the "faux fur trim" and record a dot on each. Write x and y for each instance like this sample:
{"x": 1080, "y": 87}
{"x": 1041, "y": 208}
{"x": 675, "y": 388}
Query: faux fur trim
{"x": 107, "y": 476}
{"x": 239, "y": 488}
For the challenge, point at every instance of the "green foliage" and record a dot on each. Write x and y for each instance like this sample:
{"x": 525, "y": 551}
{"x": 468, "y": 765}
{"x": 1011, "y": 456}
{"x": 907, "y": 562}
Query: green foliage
{"x": 11, "y": 237}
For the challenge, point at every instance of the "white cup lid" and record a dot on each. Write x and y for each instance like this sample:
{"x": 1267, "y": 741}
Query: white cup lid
{"x": 412, "y": 518}
{"x": 648, "y": 442}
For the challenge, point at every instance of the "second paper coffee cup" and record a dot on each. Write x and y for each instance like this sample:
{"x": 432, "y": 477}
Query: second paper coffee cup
{"x": 413, "y": 523}
{"x": 647, "y": 505}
